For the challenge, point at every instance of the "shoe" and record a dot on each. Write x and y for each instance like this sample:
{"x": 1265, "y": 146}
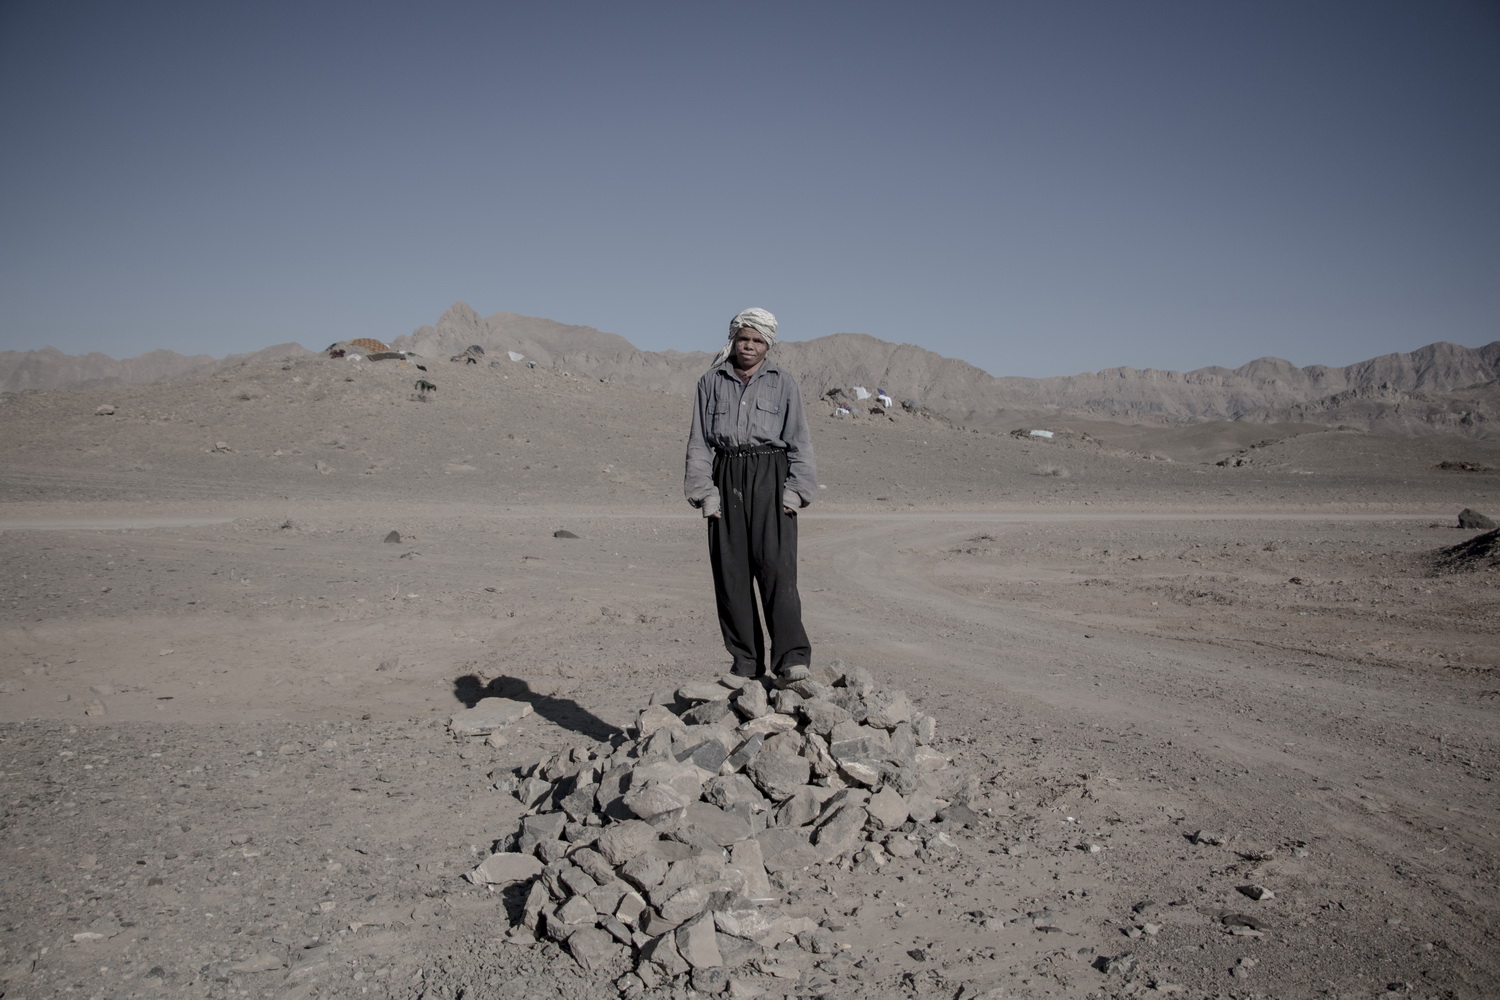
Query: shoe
{"x": 792, "y": 673}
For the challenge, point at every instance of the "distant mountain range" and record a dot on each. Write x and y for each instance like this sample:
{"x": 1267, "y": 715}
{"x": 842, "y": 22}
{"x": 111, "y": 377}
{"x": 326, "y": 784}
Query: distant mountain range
{"x": 1441, "y": 387}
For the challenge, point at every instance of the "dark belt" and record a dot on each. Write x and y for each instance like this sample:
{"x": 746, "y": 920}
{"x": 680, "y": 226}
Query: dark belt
{"x": 763, "y": 449}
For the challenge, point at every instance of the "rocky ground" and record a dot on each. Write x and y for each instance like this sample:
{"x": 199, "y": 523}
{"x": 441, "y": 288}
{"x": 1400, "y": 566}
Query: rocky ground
{"x": 225, "y": 696}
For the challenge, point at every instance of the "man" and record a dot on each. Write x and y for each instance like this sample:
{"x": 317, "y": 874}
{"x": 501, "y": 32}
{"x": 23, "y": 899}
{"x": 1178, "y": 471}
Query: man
{"x": 750, "y": 469}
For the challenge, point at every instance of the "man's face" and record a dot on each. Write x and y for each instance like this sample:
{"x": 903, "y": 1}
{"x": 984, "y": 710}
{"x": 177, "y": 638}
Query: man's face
{"x": 748, "y": 349}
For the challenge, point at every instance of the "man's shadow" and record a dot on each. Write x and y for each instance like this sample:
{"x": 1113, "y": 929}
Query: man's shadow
{"x": 563, "y": 712}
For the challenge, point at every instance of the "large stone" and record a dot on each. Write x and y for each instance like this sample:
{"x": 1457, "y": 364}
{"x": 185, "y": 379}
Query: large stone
{"x": 719, "y": 827}
{"x": 860, "y": 772}
{"x": 655, "y": 718}
{"x": 887, "y": 809}
{"x": 594, "y": 864}
{"x": 735, "y": 952}
{"x": 577, "y": 912}
{"x": 802, "y": 806}
{"x": 646, "y": 870}
{"x": 701, "y": 691}
{"x": 708, "y": 755}
{"x": 540, "y": 827}
{"x": 842, "y": 831}
{"x": 786, "y": 849}
{"x": 746, "y": 858}
{"x": 729, "y": 790}
{"x": 709, "y": 713}
{"x": 751, "y": 702}
{"x": 773, "y": 723}
{"x": 698, "y": 945}
{"x": 869, "y": 745}
{"x": 889, "y": 710}
{"x": 537, "y": 899}
{"x": 778, "y": 775}
{"x": 593, "y": 948}
{"x": 683, "y": 778}
{"x": 655, "y": 802}
{"x": 504, "y": 868}
{"x": 743, "y": 753}
{"x": 662, "y": 953}
{"x": 822, "y": 715}
{"x": 625, "y": 840}
{"x": 632, "y": 905}
{"x": 741, "y": 918}
{"x": 576, "y": 880}
{"x": 488, "y": 715}
{"x": 579, "y": 803}
{"x": 816, "y": 751}
{"x": 688, "y": 901}
{"x": 605, "y": 897}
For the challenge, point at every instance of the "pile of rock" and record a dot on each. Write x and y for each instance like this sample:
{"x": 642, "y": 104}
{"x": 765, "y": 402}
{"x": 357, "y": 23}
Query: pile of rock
{"x": 662, "y": 853}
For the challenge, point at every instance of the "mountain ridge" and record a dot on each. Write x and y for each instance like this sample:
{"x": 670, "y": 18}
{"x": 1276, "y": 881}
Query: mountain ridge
{"x": 1439, "y": 387}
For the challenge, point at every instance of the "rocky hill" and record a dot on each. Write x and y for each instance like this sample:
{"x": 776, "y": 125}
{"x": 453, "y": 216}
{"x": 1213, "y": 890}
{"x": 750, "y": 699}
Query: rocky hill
{"x": 1441, "y": 387}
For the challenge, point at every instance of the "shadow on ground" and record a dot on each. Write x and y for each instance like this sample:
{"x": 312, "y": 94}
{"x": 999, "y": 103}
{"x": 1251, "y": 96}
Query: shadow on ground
{"x": 563, "y": 712}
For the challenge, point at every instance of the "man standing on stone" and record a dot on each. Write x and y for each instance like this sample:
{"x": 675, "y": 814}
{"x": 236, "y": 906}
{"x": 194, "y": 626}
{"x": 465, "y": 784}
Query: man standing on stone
{"x": 750, "y": 469}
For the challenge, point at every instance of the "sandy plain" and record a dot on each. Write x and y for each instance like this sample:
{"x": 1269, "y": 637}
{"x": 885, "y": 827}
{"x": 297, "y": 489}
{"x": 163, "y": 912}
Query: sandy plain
{"x": 223, "y": 694}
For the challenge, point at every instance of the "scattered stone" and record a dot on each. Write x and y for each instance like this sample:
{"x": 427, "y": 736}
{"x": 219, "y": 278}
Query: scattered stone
{"x": 1122, "y": 965}
{"x": 488, "y": 715}
{"x": 1257, "y": 892}
{"x": 394, "y": 538}
{"x": 563, "y": 533}
{"x": 1469, "y": 518}
{"x": 104, "y": 410}
{"x": 504, "y": 868}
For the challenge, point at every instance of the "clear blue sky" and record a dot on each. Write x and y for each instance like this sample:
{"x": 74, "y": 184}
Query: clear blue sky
{"x": 1040, "y": 188}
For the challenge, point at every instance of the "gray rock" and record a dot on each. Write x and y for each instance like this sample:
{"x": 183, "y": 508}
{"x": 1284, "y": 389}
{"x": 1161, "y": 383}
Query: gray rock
{"x": 654, "y": 802}
{"x": 621, "y": 842}
{"x": 662, "y": 953}
{"x": 709, "y": 713}
{"x": 645, "y": 871}
{"x": 701, "y": 691}
{"x": 743, "y": 753}
{"x": 575, "y": 880}
{"x": 1472, "y": 519}
{"x": 889, "y": 710}
{"x": 778, "y": 775}
{"x": 654, "y": 719}
{"x": 887, "y": 809}
{"x": 751, "y": 702}
{"x": 504, "y": 868}
{"x": 698, "y": 944}
{"x": 822, "y": 715}
{"x": 746, "y": 858}
{"x": 802, "y": 806}
{"x": 729, "y": 790}
{"x": 488, "y": 715}
{"x": 593, "y": 864}
{"x": 593, "y": 948}
{"x": 719, "y": 827}
{"x": 577, "y": 912}
{"x": 787, "y": 849}
{"x": 686, "y": 902}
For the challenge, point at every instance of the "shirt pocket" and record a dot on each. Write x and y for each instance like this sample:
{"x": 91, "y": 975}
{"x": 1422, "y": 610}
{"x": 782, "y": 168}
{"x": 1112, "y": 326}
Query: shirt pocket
{"x": 766, "y": 421}
{"x": 721, "y": 420}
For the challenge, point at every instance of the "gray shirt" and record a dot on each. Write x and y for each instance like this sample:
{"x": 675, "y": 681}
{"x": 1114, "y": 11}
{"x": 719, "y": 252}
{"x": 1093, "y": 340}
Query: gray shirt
{"x": 728, "y": 413}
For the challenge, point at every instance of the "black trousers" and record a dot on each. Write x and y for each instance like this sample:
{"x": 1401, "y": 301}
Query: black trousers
{"x": 753, "y": 543}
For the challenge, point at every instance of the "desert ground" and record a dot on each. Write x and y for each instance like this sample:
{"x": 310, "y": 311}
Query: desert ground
{"x": 224, "y": 690}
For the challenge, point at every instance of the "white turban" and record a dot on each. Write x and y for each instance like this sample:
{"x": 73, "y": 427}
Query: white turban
{"x": 759, "y": 320}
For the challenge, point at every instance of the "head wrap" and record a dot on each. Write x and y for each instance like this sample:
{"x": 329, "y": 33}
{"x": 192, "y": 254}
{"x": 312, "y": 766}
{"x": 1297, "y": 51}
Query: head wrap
{"x": 759, "y": 320}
